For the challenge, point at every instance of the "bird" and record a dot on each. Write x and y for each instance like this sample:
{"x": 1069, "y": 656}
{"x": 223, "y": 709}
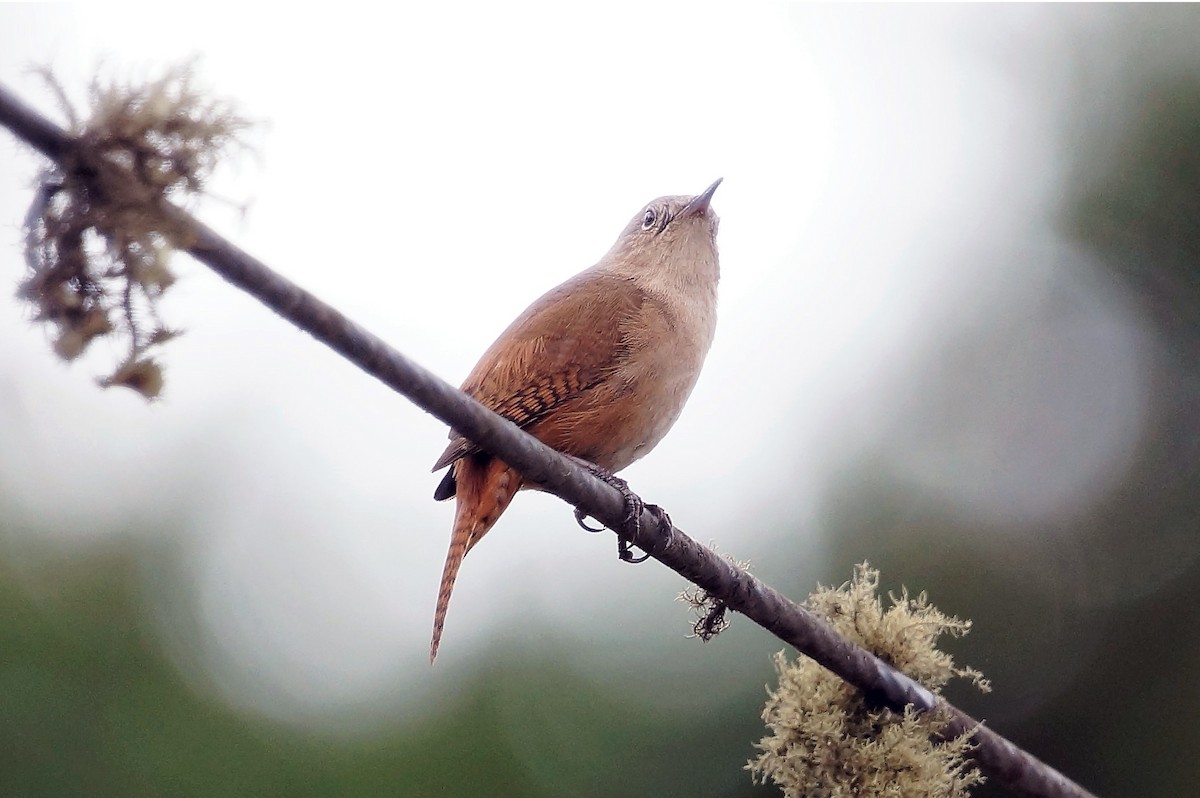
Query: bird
{"x": 599, "y": 367}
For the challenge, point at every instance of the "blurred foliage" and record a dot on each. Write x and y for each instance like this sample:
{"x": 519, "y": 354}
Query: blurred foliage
{"x": 89, "y": 706}
{"x": 1087, "y": 625}
{"x": 1090, "y": 688}
{"x": 1140, "y": 207}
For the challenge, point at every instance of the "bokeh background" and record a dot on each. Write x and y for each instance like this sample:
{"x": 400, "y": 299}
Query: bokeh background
{"x": 959, "y": 338}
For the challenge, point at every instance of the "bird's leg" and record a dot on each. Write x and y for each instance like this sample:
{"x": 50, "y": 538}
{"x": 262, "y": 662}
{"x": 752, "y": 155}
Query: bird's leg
{"x": 633, "y": 511}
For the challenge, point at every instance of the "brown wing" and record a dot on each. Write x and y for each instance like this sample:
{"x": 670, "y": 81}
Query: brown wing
{"x": 565, "y": 344}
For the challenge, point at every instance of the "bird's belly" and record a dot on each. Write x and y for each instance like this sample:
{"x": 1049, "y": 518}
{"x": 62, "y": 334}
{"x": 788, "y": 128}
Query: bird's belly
{"x": 615, "y": 428}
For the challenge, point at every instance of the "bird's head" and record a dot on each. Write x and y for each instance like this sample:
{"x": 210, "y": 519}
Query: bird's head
{"x": 671, "y": 240}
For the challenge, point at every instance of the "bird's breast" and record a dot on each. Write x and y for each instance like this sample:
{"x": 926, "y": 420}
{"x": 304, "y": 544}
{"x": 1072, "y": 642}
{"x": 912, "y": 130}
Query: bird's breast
{"x": 624, "y": 418}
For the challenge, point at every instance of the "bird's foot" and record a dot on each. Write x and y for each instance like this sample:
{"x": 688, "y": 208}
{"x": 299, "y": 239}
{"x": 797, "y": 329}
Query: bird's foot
{"x": 665, "y": 527}
{"x": 631, "y": 524}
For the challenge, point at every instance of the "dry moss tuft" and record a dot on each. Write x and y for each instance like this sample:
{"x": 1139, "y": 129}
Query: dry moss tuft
{"x": 712, "y": 614}
{"x": 827, "y": 741}
{"x": 98, "y": 239}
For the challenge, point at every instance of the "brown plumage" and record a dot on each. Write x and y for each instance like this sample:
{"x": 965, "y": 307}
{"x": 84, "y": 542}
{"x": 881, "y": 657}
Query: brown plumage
{"x": 598, "y": 368}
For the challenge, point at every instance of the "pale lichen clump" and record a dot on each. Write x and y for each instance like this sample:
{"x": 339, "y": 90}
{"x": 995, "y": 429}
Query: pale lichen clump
{"x": 828, "y": 741}
{"x": 100, "y": 234}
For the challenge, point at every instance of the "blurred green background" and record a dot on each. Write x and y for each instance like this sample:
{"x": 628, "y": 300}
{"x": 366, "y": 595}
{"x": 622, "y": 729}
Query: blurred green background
{"x": 1085, "y": 600}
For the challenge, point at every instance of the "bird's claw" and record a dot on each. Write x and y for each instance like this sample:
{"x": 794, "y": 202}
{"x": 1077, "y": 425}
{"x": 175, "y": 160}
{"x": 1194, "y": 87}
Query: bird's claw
{"x": 625, "y": 552}
{"x": 581, "y": 519}
{"x": 664, "y": 527}
{"x": 631, "y": 524}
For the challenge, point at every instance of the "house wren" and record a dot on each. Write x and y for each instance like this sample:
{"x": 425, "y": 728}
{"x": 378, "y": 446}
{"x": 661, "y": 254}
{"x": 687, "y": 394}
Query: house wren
{"x": 599, "y": 368}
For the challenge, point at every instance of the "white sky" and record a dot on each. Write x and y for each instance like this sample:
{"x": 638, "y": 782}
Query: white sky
{"x": 429, "y": 173}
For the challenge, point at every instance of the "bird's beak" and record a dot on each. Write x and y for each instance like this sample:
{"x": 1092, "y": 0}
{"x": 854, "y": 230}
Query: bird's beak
{"x": 699, "y": 203}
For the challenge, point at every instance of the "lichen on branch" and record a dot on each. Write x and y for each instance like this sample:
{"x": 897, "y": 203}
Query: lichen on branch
{"x": 98, "y": 243}
{"x": 829, "y": 740}
{"x": 712, "y": 612}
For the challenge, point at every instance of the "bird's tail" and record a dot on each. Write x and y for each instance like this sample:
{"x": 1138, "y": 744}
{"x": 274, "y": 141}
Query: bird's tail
{"x": 485, "y": 486}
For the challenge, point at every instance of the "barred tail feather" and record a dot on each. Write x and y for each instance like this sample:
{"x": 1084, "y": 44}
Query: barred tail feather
{"x": 485, "y": 487}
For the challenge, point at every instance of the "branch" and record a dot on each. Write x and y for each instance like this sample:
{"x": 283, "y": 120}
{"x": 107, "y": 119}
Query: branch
{"x": 538, "y": 463}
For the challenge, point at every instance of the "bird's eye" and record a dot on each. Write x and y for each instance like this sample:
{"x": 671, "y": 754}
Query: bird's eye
{"x": 649, "y": 219}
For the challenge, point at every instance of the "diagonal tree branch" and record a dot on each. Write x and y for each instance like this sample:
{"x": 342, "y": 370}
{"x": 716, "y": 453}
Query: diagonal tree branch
{"x": 996, "y": 756}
